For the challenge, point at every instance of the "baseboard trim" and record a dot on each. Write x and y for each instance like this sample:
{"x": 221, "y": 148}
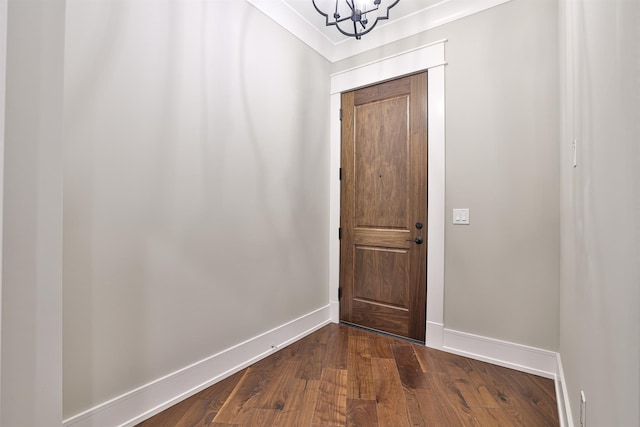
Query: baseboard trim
{"x": 335, "y": 311}
{"x": 562, "y": 397}
{"x": 137, "y": 405}
{"x": 520, "y": 357}
{"x": 502, "y": 353}
{"x": 434, "y": 335}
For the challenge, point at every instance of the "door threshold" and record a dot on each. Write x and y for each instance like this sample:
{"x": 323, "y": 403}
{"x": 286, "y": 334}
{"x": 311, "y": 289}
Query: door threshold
{"x": 379, "y": 332}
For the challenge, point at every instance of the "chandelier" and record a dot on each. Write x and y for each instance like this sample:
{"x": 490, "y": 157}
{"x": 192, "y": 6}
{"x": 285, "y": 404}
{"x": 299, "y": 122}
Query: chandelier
{"x": 354, "y": 18}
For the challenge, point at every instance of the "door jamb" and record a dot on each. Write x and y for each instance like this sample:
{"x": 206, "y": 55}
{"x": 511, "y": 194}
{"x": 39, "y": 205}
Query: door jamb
{"x": 430, "y": 58}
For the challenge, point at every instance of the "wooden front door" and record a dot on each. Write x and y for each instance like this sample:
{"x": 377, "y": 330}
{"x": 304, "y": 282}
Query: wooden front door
{"x": 383, "y": 213}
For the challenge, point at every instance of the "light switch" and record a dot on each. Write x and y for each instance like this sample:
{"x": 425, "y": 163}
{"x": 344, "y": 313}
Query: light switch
{"x": 461, "y": 216}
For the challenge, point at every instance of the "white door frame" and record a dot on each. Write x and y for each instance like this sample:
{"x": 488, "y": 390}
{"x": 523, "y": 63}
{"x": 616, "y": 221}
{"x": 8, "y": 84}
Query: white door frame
{"x": 430, "y": 58}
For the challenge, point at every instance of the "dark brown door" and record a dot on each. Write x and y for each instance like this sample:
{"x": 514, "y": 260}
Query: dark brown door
{"x": 383, "y": 251}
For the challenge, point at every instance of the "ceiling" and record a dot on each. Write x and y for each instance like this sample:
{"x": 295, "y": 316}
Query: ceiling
{"x": 401, "y": 10}
{"x": 408, "y": 17}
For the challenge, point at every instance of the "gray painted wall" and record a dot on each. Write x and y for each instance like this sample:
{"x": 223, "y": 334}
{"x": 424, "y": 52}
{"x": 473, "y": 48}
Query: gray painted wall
{"x": 501, "y": 271}
{"x": 196, "y": 187}
{"x": 157, "y": 219}
{"x": 600, "y": 279}
{"x": 32, "y": 241}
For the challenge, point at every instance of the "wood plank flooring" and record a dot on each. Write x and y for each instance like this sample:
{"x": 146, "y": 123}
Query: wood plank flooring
{"x": 345, "y": 376}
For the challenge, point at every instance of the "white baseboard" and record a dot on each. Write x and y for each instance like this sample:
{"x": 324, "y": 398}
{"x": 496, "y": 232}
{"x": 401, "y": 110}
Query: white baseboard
{"x": 502, "y": 353}
{"x": 434, "y": 335}
{"x": 137, "y": 405}
{"x": 520, "y": 357}
{"x": 562, "y": 397}
{"x": 335, "y": 311}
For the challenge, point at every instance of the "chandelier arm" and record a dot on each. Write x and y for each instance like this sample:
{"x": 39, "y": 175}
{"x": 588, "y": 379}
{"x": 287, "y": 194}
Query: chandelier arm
{"x": 348, "y": 18}
{"x": 356, "y": 34}
{"x": 329, "y": 23}
{"x": 372, "y": 10}
{"x": 346, "y": 33}
{"x": 340, "y": 21}
{"x": 351, "y": 5}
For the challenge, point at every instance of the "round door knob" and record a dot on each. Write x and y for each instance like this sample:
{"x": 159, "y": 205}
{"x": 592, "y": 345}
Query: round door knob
{"x": 418, "y": 240}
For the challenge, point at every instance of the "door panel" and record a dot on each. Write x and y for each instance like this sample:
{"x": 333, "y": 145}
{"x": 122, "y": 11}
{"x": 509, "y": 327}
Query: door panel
{"x": 377, "y": 273}
{"x": 384, "y": 185}
{"x": 381, "y": 154}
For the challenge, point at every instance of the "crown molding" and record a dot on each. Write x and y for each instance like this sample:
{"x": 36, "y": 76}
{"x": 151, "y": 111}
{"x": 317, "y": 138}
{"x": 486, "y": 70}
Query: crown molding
{"x": 439, "y": 14}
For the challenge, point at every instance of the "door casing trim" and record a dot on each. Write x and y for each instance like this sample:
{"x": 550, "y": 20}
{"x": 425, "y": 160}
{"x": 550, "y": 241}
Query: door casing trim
{"x": 429, "y": 58}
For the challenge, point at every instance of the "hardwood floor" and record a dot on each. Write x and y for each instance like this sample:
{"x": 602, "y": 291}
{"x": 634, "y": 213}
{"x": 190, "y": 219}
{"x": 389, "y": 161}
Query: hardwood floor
{"x": 344, "y": 376}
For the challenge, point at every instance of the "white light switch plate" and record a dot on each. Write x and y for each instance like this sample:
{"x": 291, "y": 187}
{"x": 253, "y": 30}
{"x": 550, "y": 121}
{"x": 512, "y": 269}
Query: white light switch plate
{"x": 461, "y": 216}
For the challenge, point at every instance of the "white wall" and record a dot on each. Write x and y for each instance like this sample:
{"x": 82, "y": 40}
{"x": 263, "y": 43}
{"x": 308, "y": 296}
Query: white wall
{"x": 600, "y": 200}
{"x": 32, "y": 240}
{"x": 196, "y": 187}
{"x": 502, "y": 271}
